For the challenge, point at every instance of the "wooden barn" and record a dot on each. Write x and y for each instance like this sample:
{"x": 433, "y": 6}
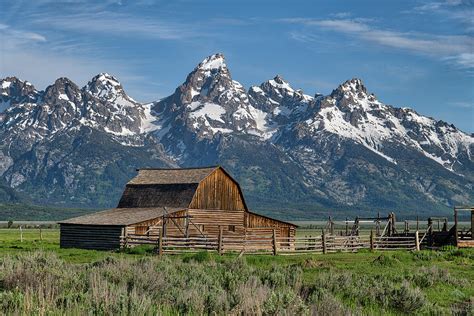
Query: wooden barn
{"x": 190, "y": 202}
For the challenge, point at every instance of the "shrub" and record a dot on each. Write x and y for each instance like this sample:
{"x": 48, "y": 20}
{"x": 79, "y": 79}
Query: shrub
{"x": 426, "y": 255}
{"x": 408, "y": 299}
{"x": 326, "y": 304}
{"x": 385, "y": 260}
{"x": 284, "y": 301}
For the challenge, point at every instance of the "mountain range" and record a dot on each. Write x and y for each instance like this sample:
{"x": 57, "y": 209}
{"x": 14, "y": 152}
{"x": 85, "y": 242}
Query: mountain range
{"x": 295, "y": 155}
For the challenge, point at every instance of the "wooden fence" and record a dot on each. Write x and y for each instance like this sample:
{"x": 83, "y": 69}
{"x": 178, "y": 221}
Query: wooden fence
{"x": 272, "y": 244}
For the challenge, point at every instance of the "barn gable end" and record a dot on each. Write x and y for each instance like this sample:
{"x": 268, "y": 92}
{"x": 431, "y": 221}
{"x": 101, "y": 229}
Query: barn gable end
{"x": 218, "y": 191}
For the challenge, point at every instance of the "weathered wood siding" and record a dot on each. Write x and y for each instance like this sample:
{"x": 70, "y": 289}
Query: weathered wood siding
{"x": 210, "y": 221}
{"x": 218, "y": 192}
{"x": 262, "y": 224}
{"x": 90, "y": 236}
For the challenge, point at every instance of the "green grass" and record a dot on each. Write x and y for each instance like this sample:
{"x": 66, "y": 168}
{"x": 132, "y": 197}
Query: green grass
{"x": 10, "y": 243}
{"x": 138, "y": 282}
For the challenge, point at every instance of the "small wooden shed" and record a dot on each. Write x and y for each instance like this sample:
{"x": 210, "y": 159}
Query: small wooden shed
{"x": 176, "y": 203}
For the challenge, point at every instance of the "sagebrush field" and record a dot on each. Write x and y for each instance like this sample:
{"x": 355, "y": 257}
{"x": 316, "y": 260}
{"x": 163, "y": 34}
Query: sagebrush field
{"x": 37, "y": 277}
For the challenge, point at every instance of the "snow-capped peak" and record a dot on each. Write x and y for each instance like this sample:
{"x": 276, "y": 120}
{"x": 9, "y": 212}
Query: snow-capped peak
{"x": 279, "y": 88}
{"x": 106, "y": 79}
{"x": 279, "y": 83}
{"x": 353, "y": 87}
{"x": 277, "y": 98}
{"x": 216, "y": 61}
{"x": 106, "y": 87}
{"x": 11, "y": 86}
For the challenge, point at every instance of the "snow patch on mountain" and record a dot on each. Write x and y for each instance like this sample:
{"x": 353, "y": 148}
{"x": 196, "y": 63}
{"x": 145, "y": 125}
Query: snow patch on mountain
{"x": 6, "y": 84}
{"x": 149, "y": 122}
{"x": 213, "y": 62}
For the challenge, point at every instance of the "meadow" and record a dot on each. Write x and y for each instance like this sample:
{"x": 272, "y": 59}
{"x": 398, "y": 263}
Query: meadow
{"x": 39, "y": 278}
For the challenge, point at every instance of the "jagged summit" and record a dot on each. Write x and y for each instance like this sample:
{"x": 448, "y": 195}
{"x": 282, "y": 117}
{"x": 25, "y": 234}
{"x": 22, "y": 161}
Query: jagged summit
{"x": 280, "y": 83}
{"x": 106, "y": 87}
{"x": 14, "y": 91}
{"x": 103, "y": 79}
{"x": 353, "y": 86}
{"x": 210, "y": 103}
{"x": 213, "y": 62}
{"x": 278, "y": 98}
{"x": 61, "y": 84}
{"x": 12, "y": 84}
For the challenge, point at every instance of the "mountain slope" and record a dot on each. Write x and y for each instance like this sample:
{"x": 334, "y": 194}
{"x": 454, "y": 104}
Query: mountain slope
{"x": 295, "y": 155}
{"x": 73, "y": 146}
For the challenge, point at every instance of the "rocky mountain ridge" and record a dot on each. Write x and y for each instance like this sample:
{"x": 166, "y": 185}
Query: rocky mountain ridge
{"x": 290, "y": 150}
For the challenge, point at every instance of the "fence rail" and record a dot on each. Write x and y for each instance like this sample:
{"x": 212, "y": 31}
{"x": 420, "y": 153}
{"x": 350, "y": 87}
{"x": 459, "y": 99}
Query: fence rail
{"x": 272, "y": 244}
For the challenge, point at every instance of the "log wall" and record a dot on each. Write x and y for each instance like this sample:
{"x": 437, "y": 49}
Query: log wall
{"x": 90, "y": 236}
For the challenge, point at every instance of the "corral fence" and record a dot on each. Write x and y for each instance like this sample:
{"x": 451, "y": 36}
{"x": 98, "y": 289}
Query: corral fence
{"x": 272, "y": 244}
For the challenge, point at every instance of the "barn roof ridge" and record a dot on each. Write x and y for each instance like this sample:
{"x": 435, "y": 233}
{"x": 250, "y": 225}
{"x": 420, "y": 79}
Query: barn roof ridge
{"x": 171, "y": 175}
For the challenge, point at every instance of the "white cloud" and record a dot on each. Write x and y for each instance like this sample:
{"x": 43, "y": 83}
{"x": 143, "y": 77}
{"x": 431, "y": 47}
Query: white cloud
{"x": 453, "y": 48}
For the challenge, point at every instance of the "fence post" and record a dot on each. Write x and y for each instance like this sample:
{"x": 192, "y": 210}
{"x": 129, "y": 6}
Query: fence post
{"x": 274, "y": 243}
{"x": 21, "y": 234}
{"x": 323, "y": 240}
{"x": 417, "y": 241}
{"x": 160, "y": 242}
{"x": 219, "y": 243}
{"x": 372, "y": 240}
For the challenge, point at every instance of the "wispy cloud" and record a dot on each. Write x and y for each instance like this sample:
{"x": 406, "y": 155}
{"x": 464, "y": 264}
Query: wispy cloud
{"x": 463, "y": 104}
{"x": 31, "y": 56}
{"x": 12, "y": 36}
{"x": 458, "y": 10}
{"x": 456, "y": 49}
{"x": 116, "y": 24}
{"x": 341, "y": 15}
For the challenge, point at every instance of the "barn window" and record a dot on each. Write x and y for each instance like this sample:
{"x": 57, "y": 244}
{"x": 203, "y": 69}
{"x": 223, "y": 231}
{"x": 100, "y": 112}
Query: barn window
{"x": 141, "y": 230}
{"x": 232, "y": 228}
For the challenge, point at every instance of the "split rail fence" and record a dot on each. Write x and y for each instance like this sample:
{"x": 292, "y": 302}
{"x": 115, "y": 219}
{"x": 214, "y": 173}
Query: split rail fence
{"x": 273, "y": 244}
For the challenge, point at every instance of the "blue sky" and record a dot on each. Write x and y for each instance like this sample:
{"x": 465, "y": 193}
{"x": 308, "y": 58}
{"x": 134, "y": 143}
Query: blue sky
{"x": 418, "y": 54}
